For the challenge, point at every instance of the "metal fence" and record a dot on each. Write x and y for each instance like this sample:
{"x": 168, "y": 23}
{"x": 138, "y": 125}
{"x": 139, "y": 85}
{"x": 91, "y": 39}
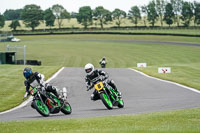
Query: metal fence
{"x": 20, "y": 52}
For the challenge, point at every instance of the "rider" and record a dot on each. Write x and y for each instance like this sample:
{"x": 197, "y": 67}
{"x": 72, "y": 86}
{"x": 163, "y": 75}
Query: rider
{"x": 103, "y": 62}
{"x": 34, "y": 79}
{"x": 91, "y": 75}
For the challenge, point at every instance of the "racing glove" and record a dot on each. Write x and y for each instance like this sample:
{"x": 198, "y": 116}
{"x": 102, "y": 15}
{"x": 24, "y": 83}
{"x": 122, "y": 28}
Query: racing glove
{"x": 89, "y": 87}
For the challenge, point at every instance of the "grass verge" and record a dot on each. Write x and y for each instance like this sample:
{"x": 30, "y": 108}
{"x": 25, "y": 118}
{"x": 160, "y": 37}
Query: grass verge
{"x": 182, "y": 121}
{"x": 186, "y": 74}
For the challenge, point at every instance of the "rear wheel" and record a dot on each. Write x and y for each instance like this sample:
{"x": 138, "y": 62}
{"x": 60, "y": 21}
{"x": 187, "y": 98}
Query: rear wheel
{"x": 42, "y": 109}
{"x": 66, "y": 109}
{"x": 106, "y": 101}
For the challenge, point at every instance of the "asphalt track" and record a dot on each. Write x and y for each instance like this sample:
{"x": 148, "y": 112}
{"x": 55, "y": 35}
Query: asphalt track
{"x": 141, "y": 94}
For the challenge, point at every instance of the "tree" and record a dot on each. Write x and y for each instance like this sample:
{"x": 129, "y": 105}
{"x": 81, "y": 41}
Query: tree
{"x": 187, "y": 13}
{"x": 32, "y": 15}
{"x": 2, "y": 21}
{"x": 102, "y": 15}
{"x": 118, "y": 16}
{"x": 14, "y": 24}
{"x": 60, "y": 13}
{"x": 152, "y": 14}
{"x": 134, "y": 15}
{"x": 12, "y": 14}
{"x": 49, "y": 17}
{"x": 177, "y": 7}
{"x": 169, "y": 14}
{"x": 84, "y": 16}
{"x": 73, "y": 14}
{"x": 144, "y": 11}
{"x": 197, "y": 13}
{"x": 160, "y": 7}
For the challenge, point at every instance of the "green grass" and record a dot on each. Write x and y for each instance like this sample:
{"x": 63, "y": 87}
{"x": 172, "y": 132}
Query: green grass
{"x": 77, "y": 50}
{"x": 146, "y": 30}
{"x": 182, "y": 121}
{"x": 12, "y": 86}
{"x": 186, "y": 74}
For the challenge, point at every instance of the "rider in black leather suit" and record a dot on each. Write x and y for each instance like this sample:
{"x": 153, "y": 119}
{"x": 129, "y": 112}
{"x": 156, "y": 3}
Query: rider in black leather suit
{"x": 34, "y": 79}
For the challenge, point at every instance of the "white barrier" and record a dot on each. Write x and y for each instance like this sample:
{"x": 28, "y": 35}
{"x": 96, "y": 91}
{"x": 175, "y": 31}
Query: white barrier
{"x": 164, "y": 70}
{"x": 141, "y": 64}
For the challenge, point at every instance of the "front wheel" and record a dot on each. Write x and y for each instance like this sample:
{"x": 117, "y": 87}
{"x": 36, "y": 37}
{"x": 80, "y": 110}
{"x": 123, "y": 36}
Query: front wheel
{"x": 120, "y": 103}
{"x": 106, "y": 101}
{"x": 42, "y": 109}
{"x": 66, "y": 109}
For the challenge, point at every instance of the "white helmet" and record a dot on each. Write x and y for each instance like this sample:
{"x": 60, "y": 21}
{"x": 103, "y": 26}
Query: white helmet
{"x": 89, "y": 68}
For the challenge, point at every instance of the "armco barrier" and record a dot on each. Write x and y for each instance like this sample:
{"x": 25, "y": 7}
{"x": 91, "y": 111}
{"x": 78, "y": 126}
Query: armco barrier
{"x": 112, "y": 33}
{"x": 30, "y": 62}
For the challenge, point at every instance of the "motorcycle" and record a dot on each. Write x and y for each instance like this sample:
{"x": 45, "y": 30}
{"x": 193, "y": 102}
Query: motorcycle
{"x": 103, "y": 64}
{"x": 108, "y": 95}
{"x": 46, "y": 103}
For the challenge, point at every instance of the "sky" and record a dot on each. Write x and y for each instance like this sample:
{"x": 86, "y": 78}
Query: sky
{"x": 74, "y": 5}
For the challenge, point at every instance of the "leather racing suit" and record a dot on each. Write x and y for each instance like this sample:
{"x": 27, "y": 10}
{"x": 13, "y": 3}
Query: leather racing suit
{"x": 90, "y": 80}
{"x": 37, "y": 79}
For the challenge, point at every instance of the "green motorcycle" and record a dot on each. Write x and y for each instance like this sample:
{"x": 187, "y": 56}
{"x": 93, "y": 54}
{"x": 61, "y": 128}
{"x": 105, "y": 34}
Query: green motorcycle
{"x": 108, "y": 95}
{"x": 46, "y": 103}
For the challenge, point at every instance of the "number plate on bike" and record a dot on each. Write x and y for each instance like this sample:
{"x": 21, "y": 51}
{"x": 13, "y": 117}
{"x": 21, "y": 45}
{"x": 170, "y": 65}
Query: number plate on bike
{"x": 98, "y": 86}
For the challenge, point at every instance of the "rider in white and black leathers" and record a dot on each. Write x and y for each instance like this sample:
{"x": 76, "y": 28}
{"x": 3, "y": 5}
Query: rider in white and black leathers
{"x": 103, "y": 62}
{"x": 92, "y": 75}
{"x": 34, "y": 79}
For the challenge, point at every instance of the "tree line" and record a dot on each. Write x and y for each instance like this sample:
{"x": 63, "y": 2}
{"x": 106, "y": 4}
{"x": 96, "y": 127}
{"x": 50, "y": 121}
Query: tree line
{"x": 168, "y": 11}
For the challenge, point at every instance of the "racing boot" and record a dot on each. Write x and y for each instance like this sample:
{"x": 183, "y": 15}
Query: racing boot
{"x": 54, "y": 91}
{"x": 112, "y": 84}
{"x": 57, "y": 95}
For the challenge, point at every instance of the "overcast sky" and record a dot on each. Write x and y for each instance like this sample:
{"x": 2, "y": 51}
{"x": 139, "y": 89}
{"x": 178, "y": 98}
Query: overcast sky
{"x": 74, "y": 5}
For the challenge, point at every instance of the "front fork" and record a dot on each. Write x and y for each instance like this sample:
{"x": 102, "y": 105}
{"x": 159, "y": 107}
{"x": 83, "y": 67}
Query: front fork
{"x": 110, "y": 96}
{"x": 113, "y": 95}
{"x": 40, "y": 99}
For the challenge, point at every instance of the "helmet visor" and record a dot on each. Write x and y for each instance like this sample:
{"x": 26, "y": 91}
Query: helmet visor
{"x": 88, "y": 70}
{"x": 27, "y": 74}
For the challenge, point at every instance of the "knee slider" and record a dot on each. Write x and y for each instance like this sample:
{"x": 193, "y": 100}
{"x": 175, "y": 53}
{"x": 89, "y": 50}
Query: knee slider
{"x": 92, "y": 97}
{"x": 112, "y": 81}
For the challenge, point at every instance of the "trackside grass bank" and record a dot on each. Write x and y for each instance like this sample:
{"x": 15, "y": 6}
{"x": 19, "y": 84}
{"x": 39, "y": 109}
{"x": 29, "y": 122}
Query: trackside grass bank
{"x": 186, "y": 74}
{"x": 182, "y": 121}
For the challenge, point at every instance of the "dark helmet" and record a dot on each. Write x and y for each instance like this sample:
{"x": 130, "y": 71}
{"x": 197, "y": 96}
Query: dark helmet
{"x": 27, "y": 72}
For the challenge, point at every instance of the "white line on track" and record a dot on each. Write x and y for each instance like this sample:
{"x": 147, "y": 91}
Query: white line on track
{"x": 186, "y": 87}
{"x": 30, "y": 98}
